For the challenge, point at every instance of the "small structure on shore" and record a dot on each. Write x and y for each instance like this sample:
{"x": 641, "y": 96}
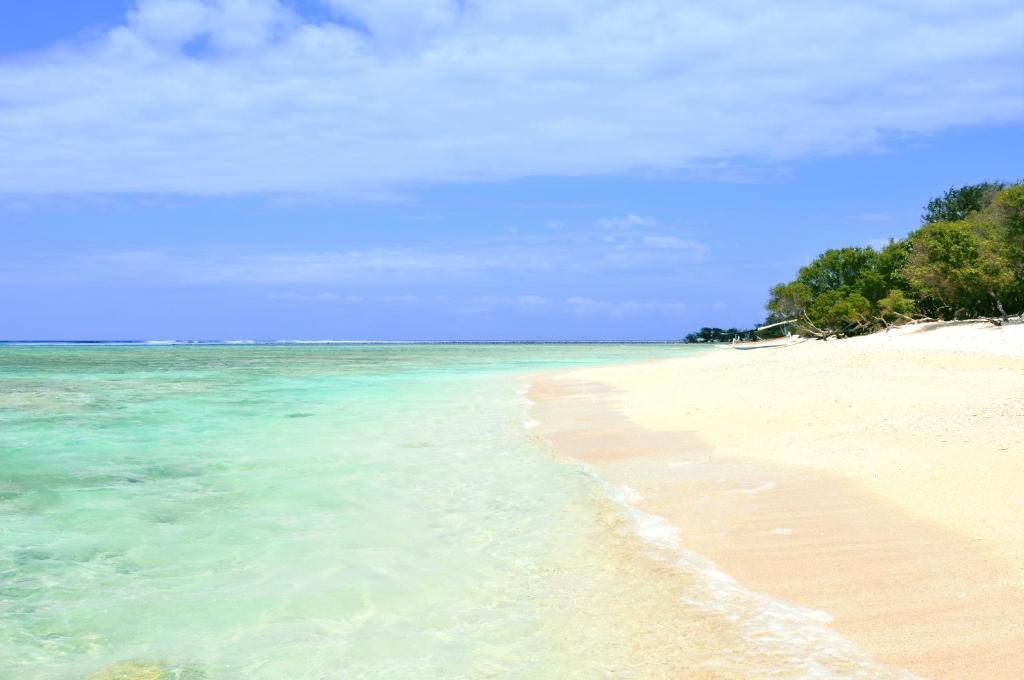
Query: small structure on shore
{"x": 786, "y": 340}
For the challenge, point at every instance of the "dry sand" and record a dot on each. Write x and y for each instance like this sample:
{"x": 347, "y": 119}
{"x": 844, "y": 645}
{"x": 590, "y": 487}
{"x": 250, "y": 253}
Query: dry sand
{"x": 879, "y": 479}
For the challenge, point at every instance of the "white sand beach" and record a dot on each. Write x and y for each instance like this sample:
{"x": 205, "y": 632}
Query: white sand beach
{"x": 879, "y": 479}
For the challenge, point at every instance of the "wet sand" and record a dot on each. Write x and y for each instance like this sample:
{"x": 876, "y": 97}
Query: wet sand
{"x": 880, "y": 480}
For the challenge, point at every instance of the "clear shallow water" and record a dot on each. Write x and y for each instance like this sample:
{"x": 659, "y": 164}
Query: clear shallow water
{"x": 346, "y": 511}
{"x": 299, "y": 512}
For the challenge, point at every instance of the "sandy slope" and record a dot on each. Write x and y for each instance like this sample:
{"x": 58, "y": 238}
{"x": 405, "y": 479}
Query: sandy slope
{"x": 880, "y": 479}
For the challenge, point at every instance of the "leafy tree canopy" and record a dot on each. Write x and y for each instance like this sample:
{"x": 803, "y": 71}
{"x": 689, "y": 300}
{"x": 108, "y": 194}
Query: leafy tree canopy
{"x": 959, "y": 203}
{"x": 966, "y": 261}
{"x": 964, "y": 265}
{"x": 838, "y": 269}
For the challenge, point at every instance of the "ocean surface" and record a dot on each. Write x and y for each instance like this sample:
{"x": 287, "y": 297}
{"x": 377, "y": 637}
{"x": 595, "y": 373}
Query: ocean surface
{"x": 286, "y": 511}
{"x": 207, "y": 512}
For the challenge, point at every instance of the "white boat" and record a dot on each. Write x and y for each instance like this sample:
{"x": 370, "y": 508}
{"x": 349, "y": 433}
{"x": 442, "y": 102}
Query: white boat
{"x": 768, "y": 344}
{"x": 785, "y": 341}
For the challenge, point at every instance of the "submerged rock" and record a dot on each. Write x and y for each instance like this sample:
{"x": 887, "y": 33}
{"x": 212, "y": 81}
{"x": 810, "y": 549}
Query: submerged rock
{"x": 130, "y": 670}
{"x": 134, "y": 670}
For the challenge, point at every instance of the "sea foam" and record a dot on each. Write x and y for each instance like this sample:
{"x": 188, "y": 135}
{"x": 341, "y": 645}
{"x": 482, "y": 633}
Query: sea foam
{"x": 771, "y": 628}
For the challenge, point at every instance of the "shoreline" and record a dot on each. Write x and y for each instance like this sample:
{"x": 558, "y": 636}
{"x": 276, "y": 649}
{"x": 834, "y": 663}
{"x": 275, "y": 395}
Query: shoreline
{"x": 845, "y": 477}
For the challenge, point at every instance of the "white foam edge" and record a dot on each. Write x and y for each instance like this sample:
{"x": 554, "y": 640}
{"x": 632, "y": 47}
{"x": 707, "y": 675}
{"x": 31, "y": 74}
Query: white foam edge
{"x": 529, "y": 422}
{"x": 767, "y": 620}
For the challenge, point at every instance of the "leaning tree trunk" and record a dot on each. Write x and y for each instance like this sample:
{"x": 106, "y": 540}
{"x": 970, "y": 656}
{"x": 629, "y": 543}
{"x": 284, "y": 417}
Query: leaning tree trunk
{"x": 999, "y": 306}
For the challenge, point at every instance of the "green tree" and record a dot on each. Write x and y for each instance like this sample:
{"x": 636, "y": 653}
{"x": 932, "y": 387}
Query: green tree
{"x": 838, "y": 269}
{"x": 960, "y": 268}
{"x": 896, "y": 306}
{"x": 891, "y": 261}
{"x": 838, "y": 292}
{"x": 967, "y": 260}
{"x": 789, "y": 301}
{"x": 841, "y": 312}
{"x": 958, "y": 203}
{"x": 1009, "y": 213}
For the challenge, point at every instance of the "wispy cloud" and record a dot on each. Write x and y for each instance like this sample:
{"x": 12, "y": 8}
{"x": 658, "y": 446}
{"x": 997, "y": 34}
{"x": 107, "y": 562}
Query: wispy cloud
{"x": 580, "y": 305}
{"x": 630, "y": 221}
{"x": 622, "y": 309}
{"x": 223, "y": 96}
{"x": 414, "y": 299}
{"x": 580, "y": 251}
{"x": 676, "y": 243}
{"x": 365, "y": 266}
{"x": 315, "y": 297}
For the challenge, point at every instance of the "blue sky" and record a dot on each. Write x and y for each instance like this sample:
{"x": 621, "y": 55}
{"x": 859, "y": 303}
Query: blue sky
{"x": 472, "y": 170}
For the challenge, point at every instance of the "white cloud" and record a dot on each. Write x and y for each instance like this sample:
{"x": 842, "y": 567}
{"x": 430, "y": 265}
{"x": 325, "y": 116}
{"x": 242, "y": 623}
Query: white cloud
{"x": 567, "y": 253}
{"x": 398, "y": 24}
{"x": 228, "y": 25}
{"x": 570, "y": 252}
{"x": 315, "y": 297}
{"x": 374, "y": 265}
{"x": 475, "y": 304}
{"x": 676, "y": 243}
{"x": 622, "y": 236}
{"x": 630, "y": 221}
{"x": 583, "y": 306}
{"x": 221, "y": 96}
{"x": 622, "y": 309}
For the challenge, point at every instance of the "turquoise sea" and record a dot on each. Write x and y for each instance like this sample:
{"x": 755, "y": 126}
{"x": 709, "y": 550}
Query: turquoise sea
{"x": 297, "y": 511}
{"x": 222, "y": 512}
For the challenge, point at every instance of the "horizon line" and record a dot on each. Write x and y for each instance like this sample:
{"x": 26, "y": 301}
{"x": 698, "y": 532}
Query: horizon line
{"x": 164, "y": 343}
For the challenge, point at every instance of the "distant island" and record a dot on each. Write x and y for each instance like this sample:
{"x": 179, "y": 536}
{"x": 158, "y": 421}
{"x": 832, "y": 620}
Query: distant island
{"x": 707, "y": 334}
{"x": 965, "y": 261}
